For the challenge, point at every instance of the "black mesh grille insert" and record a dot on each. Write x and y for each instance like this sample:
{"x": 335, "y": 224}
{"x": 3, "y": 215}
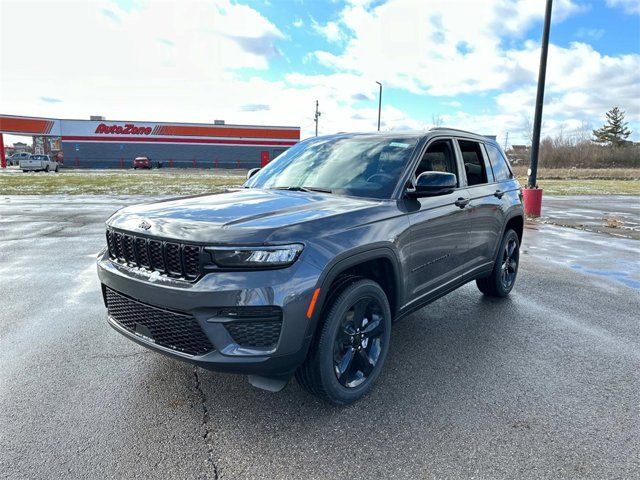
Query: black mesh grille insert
{"x": 127, "y": 245}
{"x": 174, "y": 259}
{"x": 256, "y": 333}
{"x": 171, "y": 330}
{"x": 256, "y": 326}
{"x": 157, "y": 259}
{"x": 191, "y": 256}
{"x": 174, "y": 264}
{"x": 142, "y": 253}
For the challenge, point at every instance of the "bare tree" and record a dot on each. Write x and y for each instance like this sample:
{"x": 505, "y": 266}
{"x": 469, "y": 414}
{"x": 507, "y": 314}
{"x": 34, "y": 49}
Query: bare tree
{"x": 436, "y": 121}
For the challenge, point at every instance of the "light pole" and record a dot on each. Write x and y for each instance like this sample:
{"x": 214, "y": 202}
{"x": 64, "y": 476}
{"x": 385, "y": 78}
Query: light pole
{"x": 379, "y": 104}
{"x": 533, "y": 195}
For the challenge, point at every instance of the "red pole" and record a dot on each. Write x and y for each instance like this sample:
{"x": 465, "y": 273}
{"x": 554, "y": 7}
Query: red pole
{"x": 77, "y": 162}
{"x": 216, "y": 164}
{"x": 171, "y": 163}
{"x": 194, "y": 163}
{"x": 3, "y": 160}
{"x": 121, "y": 162}
{"x": 237, "y": 163}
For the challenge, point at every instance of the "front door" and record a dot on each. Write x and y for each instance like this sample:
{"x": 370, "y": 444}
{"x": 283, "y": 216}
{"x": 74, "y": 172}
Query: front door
{"x": 439, "y": 228}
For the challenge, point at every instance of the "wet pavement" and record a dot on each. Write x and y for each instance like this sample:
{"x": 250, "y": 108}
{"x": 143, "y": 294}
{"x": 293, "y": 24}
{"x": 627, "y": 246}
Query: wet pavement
{"x": 544, "y": 384}
{"x": 617, "y": 215}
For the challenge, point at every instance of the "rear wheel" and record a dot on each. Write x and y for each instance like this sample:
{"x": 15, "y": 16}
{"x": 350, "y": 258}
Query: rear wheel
{"x": 46, "y": 169}
{"x": 56, "y": 169}
{"x": 505, "y": 270}
{"x": 350, "y": 349}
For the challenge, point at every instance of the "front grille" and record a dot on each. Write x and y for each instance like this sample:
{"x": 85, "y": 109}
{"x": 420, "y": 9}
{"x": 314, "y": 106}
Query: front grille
{"x": 174, "y": 259}
{"x": 255, "y": 327}
{"x": 171, "y": 330}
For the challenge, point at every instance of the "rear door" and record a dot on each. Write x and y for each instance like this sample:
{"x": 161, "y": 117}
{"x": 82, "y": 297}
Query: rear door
{"x": 438, "y": 227}
{"x": 485, "y": 205}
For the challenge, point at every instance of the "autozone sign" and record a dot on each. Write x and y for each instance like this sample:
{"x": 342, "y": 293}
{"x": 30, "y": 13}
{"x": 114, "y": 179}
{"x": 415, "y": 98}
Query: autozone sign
{"x": 126, "y": 129}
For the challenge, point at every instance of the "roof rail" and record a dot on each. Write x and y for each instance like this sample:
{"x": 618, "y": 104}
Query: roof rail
{"x": 455, "y": 130}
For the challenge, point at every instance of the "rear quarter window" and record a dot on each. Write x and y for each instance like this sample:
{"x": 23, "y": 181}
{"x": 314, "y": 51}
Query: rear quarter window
{"x": 499, "y": 164}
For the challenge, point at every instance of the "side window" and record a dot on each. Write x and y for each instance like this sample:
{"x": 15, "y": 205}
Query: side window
{"x": 473, "y": 162}
{"x": 499, "y": 164}
{"x": 439, "y": 157}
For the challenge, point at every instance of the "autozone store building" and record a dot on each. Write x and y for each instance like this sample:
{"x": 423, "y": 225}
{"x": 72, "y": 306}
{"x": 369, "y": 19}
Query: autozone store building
{"x": 114, "y": 144}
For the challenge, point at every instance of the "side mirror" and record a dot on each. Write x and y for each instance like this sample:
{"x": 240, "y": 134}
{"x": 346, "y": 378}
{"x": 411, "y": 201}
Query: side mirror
{"x": 252, "y": 172}
{"x": 431, "y": 184}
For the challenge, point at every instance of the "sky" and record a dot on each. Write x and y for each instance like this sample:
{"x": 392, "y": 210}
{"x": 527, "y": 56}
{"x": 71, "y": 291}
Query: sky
{"x": 465, "y": 64}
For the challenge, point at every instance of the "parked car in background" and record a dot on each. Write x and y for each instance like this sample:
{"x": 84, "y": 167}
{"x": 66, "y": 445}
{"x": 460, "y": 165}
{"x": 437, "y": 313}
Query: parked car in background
{"x": 142, "y": 162}
{"x": 16, "y": 157}
{"x": 38, "y": 163}
{"x": 304, "y": 269}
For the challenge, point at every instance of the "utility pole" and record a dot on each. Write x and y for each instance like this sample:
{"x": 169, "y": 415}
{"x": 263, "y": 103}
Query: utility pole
{"x": 317, "y": 116}
{"x": 537, "y": 120}
{"x": 506, "y": 141}
{"x": 379, "y": 104}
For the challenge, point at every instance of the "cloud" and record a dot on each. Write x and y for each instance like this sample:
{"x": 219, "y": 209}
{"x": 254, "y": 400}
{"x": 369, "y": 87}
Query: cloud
{"x": 330, "y": 30}
{"x": 360, "y": 97}
{"x": 166, "y": 41}
{"x": 255, "y": 107}
{"x": 263, "y": 46}
{"x": 50, "y": 99}
{"x": 590, "y": 33}
{"x": 631, "y": 7}
{"x": 298, "y": 23}
{"x": 111, "y": 15}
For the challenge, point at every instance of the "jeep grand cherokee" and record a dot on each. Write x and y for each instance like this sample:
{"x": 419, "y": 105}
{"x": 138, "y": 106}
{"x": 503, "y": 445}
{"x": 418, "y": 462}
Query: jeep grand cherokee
{"x": 303, "y": 270}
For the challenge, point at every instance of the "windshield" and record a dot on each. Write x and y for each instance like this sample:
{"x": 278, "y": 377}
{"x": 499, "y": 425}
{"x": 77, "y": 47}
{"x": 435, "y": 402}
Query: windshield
{"x": 38, "y": 157}
{"x": 364, "y": 166}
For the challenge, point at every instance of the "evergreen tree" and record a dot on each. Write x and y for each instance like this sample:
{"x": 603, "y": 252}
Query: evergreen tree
{"x": 614, "y": 131}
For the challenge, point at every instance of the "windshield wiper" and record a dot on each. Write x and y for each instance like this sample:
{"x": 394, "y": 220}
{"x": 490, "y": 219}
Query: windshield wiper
{"x": 304, "y": 189}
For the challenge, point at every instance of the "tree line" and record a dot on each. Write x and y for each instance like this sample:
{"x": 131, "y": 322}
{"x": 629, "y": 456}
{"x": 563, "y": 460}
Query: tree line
{"x": 604, "y": 147}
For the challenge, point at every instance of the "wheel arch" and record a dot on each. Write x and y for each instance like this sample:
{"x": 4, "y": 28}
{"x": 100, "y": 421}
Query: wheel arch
{"x": 380, "y": 264}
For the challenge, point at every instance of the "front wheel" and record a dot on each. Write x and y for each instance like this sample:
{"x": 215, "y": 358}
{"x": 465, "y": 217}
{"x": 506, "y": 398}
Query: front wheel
{"x": 46, "y": 169}
{"x": 503, "y": 277}
{"x": 56, "y": 169}
{"x": 350, "y": 349}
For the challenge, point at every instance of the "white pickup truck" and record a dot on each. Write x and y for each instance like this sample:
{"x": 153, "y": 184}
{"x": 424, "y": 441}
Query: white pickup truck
{"x": 38, "y": 163}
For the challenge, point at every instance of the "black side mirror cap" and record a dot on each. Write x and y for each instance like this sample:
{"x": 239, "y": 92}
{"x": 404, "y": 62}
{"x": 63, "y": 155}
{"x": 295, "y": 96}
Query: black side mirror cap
{"x": 431, "y": 184}
{"x": 252, "y": 172}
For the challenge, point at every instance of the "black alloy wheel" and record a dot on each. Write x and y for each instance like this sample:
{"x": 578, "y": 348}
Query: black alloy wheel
{"x": 359, "y": 342}
{"x": 352, "y": 342}
{"x": 509, "y": 267}
{"x": 505, "y": 270}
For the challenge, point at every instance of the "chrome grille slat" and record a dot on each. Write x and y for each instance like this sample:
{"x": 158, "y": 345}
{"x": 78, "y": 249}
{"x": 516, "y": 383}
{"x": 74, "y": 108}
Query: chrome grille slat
{"x": 170, "y": 258}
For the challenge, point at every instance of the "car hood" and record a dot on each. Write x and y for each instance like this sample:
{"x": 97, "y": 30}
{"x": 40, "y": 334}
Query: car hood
{"x": 246, "y": 216}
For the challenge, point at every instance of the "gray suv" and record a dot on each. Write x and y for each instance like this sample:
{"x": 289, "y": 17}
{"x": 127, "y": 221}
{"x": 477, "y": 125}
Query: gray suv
{"x": 304, "y": 269}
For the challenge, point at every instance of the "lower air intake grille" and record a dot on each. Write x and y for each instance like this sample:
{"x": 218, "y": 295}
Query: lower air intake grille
{"x": 255, "y": 334}
{"x": 171, "y": 330}
{"x": 254, "y": 326}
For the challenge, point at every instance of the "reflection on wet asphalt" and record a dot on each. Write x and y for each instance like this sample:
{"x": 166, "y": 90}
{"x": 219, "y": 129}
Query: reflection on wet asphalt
{"x": 543, "y": 384}
{"x": 617, "y": 259}
{"x": 618, "y": 215}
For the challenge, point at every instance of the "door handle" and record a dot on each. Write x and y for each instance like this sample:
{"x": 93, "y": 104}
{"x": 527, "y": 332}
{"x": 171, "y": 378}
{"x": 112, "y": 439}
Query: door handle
{"x": 499, "y": 193}
{"x": 462, "y": 202}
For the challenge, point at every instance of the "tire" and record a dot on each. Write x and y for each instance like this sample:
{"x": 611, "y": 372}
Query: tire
{"x": 505, "y": 269}
{"x": 346, "y": 357}
{"x": 56, "y": 169}
{"x": 46, "y": 169}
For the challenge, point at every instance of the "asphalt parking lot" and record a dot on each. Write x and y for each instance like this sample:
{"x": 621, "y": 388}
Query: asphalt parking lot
{"x": 544, "y": 384}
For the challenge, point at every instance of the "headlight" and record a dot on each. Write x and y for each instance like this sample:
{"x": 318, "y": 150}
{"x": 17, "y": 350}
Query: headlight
{"x": 255, "y": 257}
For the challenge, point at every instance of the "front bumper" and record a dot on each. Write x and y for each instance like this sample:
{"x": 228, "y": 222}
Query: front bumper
{"x": 208, "y": 302}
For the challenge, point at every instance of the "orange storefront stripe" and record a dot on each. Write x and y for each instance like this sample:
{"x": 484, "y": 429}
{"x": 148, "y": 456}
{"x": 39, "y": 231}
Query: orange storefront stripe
{"x": 25, "y": 125}
{"x": 237, "y": 132}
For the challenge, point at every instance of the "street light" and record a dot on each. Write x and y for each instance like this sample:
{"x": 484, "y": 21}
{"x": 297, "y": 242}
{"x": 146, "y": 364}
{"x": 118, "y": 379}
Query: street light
{"x": 379, "y": 104}
{"x": 532, "y": 194}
